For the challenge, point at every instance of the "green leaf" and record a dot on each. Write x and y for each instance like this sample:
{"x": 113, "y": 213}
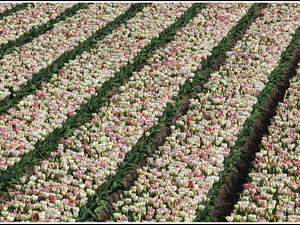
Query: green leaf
{"x": 92, "y": 214}
{"x": 3, "y": 190}
{"x": 98, "y": 209}
{"x": 148, "y": 149}
{"x": 70, "y": 131}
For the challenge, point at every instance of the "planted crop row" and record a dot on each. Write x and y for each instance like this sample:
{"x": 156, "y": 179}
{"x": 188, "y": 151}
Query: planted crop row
{"x": 12, "y": 27}
{"x": 161, "y": 23}
{"x": 278, "y": 41}
{"x": 147, "y": 123}
{"x": 34, "y": 31}
{"x": 20, "y": 65}
{"x": 9, "y": 8}
{"x": 39, "y": 114}
{"x": 209, "y": 138}
{"x": 272, "y": 191}
{"x": 272, "y": 194}
{"x": 175, "y": 183}
{"x": 49, "y": 144}
{"x": 133, "y": 157}
{"x": 4, "y": 6}
{"x": 126, "y": 83}
{"x": 257, "y": 125}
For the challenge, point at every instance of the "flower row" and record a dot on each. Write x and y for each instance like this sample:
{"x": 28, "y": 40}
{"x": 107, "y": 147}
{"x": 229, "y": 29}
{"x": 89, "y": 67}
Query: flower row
{"x": 4, "y": 6}
{"x": 39, "y": 114}
{"x": 19, "y": 66}
{"x": 174, "y": 184}
{"x": 272, "y": 195}
{"x": 63, "y": 182}
{"x": 12, "y": 27}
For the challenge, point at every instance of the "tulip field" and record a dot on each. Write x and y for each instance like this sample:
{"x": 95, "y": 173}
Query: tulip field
{"x": 149, "y": 112}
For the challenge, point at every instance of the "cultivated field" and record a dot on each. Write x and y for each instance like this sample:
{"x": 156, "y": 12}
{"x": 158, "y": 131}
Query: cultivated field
{"x": 149, "y": 112}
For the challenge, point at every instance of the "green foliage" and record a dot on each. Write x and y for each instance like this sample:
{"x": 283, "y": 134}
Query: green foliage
{"x": 36, "y": 31}
{"x": 44, "y": 74}
{"x": 275, "y": 77}
{"x": 14, "y": 10}
{"x": 113, "y": 183}
{"x": 144, "y": 143}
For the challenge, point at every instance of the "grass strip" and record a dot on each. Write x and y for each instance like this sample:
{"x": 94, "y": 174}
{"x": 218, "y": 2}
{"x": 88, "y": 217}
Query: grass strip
{"x": 49, "y": 144}
{"x": 36, "y": 31}
{"x": 14, "y": 9}
{"x": 254, "y": 128}
{"x": 142, "y": 148}
{"x": 46, "y": 73}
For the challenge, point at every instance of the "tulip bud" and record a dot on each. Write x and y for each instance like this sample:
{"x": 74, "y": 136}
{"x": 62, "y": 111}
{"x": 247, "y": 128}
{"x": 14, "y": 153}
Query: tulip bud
{"x": 125, "y": 209}
{"x": 4, "y": 213}
{"x": 23, "y": 179}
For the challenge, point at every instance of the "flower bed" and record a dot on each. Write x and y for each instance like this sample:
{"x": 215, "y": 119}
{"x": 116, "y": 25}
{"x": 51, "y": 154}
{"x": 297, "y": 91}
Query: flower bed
{"x": 272, "y": 194}
{"x": 174, "y": 184}
{"x": 147, "y": 93}
{"x": 12, "y": 27}
{"x": 112, "y": 66}
{"x": 4, "y": 6}
{"x": 156, "y": 11}
{"x": 50, "y": 144}
{"x": 38, "y": 115}
{"x": 19, "y": 66}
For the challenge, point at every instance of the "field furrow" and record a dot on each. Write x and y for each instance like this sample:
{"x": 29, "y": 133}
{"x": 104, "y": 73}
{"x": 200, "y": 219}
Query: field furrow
{"x": 272, "y": 193}
{"x": 15, "y": 39}
{"x": 12, "y": 8}
{"x": 39, "y": 114}
{"x": 146, "y": 97}
{"x": 12, "y": 27}
{"x": 161, "y": 23}
{"x": 50, "y": 143}
{"x": 175, "y": 183}
{"x": 149, "y": 112}
{"x": 22, "y": 63}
